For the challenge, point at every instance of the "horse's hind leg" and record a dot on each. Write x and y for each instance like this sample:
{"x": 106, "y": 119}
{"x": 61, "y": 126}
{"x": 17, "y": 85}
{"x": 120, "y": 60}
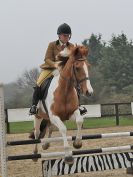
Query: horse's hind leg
{"x": 62, "y": 129}
{"x": 37, "y": 123}
{"x": 49, "y": 130}
{"x": 79, "y": 121}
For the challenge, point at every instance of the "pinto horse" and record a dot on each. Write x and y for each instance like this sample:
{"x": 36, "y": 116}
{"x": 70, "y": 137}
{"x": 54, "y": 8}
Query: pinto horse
{"x": 62, "y": 99}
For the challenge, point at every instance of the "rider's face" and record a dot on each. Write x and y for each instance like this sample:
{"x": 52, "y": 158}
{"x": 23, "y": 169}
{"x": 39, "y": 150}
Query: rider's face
{"x": 64, "y": 38}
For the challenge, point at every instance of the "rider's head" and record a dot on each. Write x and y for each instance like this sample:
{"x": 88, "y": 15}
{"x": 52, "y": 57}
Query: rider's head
{"x": 64, "y": 32}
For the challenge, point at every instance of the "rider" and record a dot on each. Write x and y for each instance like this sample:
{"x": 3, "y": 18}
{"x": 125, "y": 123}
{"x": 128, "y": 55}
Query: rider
{"x": 64, "y": 35}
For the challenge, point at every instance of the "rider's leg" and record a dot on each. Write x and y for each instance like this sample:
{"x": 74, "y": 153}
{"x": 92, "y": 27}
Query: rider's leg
{"x": 36, "y": 95}
{"x": 35, "y": 100}
{"x": 82, "y": 110}
{"x": 43, "y": 76}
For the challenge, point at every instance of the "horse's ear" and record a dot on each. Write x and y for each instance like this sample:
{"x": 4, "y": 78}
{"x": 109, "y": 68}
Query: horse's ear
{"x": 76, "y": 50}
{"x": 84, "y": 50}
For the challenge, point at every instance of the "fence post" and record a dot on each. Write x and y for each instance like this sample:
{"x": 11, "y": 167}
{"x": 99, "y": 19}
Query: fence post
{"x": 2, "y": 134}
{"x": 7, "y": 123}
{"x": 117, "y": 113}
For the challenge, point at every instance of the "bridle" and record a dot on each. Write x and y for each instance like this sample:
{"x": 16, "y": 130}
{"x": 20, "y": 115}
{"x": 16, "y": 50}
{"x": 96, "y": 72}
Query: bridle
{"x": 74, "y": 78}
{"x": 78, "y": 82}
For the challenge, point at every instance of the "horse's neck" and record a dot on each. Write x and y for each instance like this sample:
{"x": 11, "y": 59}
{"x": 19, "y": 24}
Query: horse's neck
{"x": 67, "y": 75}
{"x": 67, "y": 70}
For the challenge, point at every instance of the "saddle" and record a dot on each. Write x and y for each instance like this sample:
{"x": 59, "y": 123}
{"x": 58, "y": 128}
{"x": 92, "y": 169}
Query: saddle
{"x": 44, "y": 91}
{"x": 45, "y": 86}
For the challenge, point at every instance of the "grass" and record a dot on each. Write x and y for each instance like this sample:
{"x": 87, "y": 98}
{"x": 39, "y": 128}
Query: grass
{"x": 101, "y": 122}
{"x": 23, "y": 127}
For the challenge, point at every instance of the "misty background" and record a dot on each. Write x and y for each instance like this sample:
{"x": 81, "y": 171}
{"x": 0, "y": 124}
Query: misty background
{"x": 28, "y": 26}
{"x": 104, "y": 26}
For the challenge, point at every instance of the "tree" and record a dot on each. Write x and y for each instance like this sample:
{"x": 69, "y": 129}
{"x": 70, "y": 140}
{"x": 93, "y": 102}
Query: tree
{"x": 117, "y": 62}
{"x": 19, "y": 93}
{"x": 28, "y": 78}
{"x": 95, "y": 45}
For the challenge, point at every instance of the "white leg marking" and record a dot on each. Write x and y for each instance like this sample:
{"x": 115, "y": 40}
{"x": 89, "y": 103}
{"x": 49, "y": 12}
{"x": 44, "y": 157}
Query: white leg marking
{"x": 62, "y": 129}
{"x": 79, "y": 122}
{"x": 37, "y": 123}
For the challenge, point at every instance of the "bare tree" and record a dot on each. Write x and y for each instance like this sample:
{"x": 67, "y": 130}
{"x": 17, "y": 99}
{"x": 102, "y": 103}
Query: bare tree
{"x": 28, "y": 78}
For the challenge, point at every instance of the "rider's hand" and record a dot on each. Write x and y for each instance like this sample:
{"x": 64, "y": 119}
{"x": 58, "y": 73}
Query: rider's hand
{"x": 56, "y": 57}
{"x": 56, "y": 64}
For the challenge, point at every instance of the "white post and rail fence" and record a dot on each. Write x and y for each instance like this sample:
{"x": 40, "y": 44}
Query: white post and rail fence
{"x": 94, "y": 111}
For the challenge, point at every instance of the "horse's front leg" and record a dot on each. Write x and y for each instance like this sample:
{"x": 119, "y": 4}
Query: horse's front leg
{"x": 62, "y": 129}
{"x": 79, "y": 121}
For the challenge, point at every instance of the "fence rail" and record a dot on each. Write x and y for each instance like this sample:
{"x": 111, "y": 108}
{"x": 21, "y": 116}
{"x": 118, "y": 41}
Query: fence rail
{"x": 116, "y": 110}
{"x": 104, "y": 110}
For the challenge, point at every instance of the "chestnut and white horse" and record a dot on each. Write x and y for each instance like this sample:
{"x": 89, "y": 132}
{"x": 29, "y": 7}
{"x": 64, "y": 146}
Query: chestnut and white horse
{"x": 62, "y": 99}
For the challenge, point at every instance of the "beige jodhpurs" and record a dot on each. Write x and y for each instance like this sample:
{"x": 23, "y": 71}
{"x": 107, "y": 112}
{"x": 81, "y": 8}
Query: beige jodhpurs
{"x": 43, "y": 76}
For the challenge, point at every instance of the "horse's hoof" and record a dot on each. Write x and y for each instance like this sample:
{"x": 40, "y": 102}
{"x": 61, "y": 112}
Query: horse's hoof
{"x": 35, "y": 159}
{"x": 69, "y": 160}
{"x": 35, "y": 151}
{"x": 77, "y": 144}
{"x": 45, "y": 146}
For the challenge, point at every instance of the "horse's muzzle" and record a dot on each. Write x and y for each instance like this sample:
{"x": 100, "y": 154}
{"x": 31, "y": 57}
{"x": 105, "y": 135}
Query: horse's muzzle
{"x": 88, "y": 94}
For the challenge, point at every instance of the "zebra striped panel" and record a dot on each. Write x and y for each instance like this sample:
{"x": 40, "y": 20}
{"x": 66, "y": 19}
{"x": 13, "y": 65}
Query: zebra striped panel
{"x": 56, "y": 167}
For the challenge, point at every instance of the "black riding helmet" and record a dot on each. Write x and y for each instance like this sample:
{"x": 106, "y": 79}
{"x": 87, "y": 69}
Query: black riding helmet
{"x": 64, "y": 29}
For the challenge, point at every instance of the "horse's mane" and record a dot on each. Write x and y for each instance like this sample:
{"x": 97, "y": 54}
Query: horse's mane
{"x": 63, "y": 61}
{"x": 63, "y": 57}
{"x": 76, "y": 52}
{"x": 79, "y": 51}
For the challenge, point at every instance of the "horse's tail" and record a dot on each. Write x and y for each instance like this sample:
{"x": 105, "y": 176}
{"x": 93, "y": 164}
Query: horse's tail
{"x": 43, "y": 127}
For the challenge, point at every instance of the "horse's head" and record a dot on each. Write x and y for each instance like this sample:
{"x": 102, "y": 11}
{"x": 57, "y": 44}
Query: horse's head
{"x": 80, "y": 69}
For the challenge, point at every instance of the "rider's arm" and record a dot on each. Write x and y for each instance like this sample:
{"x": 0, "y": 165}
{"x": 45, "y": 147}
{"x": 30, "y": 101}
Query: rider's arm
{"x": 49, "y": 56}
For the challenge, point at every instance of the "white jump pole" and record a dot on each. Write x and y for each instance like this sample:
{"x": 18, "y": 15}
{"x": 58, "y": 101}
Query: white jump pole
{"x": 2, "y": 134}
{"x": 69, "y": 138}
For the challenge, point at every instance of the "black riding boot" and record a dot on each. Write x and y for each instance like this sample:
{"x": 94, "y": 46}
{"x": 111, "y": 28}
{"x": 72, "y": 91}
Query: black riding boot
{"x": 82, "y": 109}
{"x": 35, "y": 99}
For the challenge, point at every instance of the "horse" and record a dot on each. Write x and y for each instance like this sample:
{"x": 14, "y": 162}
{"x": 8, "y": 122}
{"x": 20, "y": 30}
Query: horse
{"x": 62, "y": 100}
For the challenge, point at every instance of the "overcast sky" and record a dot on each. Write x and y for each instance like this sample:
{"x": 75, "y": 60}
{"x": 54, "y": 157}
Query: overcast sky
{"x": 27, "y": 26}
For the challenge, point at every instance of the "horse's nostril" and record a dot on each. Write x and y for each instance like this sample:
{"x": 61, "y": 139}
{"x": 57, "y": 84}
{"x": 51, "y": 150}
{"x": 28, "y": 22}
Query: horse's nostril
{"x": 87, "y": 93}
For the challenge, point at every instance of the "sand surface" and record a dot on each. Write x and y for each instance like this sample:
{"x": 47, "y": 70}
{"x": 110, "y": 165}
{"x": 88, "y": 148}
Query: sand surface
{"x": 28, "y": 168}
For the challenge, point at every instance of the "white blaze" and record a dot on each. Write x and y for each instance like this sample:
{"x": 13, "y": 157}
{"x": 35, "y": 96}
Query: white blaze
{"x": 89, "y": 87}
